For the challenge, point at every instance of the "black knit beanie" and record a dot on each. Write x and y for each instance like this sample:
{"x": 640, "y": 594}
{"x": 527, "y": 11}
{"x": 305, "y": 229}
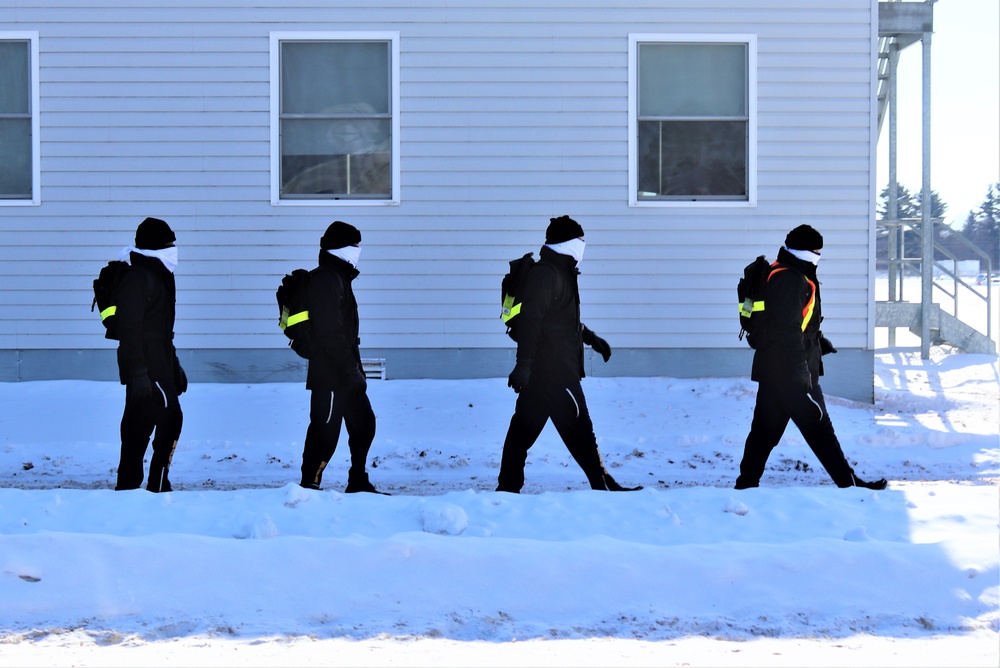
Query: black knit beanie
{"x": 562, "y": 229}
{"x": 154, "y": 234}
{"x": 804, "y": 237}
{"x": 338, "y": 235}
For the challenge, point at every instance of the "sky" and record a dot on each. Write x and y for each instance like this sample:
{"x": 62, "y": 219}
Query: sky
{"x": 240, "y": 566}
{"x": 965, "y": 108}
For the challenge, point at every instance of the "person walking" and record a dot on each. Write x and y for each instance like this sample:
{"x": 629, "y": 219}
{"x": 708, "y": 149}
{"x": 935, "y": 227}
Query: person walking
{"x": 336, "y": 379}
{"x": 787, "y": 364}
{"x": 147, "y": 360}
{"x": 549, "y": 363}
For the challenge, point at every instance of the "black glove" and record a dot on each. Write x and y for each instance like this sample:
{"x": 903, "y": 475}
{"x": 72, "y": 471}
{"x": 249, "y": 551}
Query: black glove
{"x": 140, "y": 387}
{"x": 801, "y": 377}
{"x": 825, "y": 347}
{"x": 601, "y": 346}
{"x": 519, "y": 377}
{"x": 357, "y": 383}
{"x": 180, "y": 378}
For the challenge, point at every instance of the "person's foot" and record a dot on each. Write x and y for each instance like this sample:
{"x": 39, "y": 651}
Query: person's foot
{"x": 363, "y": 486}
{"x": 309, "y": 485}
{"x": 881, "y": 483}
{"x": 607, "y": 483}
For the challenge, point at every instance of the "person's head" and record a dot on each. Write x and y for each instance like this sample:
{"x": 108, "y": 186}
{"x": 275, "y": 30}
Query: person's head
{"x": 804, "y": 238}
{"x": 562, "y": 229}
{"x": 154, "y": 234}
{"x": 565, "y": 236}
{"x": 343, "y": 241}
{"x": 339, "y": 235}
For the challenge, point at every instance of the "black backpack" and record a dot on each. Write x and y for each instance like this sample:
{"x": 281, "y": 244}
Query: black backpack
{"x": 293, "y": 313}
{"x": 106, "y": 294}
{"x": 510, "y": 292}
{"x": 750, "y": 292}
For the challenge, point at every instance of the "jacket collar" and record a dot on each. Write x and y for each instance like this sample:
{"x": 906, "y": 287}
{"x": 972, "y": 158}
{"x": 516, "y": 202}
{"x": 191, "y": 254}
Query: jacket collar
{"x": 327, "y": 261}
{"x": 562, "y": 261}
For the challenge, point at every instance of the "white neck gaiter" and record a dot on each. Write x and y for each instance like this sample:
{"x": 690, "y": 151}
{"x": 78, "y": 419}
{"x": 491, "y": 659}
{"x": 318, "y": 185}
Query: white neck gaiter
{"x": 573, "y": 248}
{"x": 168, "y": 256}
{"x": 349, "y": 254}
{"x": 804, "y": 255}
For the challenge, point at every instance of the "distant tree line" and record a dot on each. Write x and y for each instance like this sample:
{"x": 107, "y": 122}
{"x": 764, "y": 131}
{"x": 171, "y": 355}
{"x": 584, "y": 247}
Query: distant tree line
{"x": 981, "y": 228}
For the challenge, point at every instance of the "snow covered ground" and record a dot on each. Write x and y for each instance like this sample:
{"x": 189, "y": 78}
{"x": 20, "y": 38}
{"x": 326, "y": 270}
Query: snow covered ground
{"x": 240, "y": 566}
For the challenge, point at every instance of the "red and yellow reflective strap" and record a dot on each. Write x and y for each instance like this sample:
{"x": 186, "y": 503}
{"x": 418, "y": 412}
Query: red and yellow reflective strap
{"x": 807, "y": 310}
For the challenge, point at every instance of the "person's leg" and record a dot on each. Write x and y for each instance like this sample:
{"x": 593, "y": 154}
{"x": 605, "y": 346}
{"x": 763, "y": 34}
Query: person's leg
{"x": 766, "y": 429}
{"x": 169, "y": 420}
{"x": 808, "y": 412}
{"x": 526, "y": 425}
{"x": 136, "y": 428}
{"x": 571, "y": 418}
{"x": 359, "y": 419}
{"x": 321, "y": 436}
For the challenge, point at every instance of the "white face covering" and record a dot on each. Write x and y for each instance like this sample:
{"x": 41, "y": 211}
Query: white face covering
{"x": 168, "y": 256}
{"x": 348, "y": 254}
{"x": 573, "y": 248}
{"x": 804, "y": 255}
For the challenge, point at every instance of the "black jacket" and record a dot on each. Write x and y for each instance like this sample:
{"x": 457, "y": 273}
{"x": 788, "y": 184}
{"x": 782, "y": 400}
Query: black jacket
{"x": 146, "y": 307}
{"x": 787, "y": 351}
{"x": 333, "y": 314}
{"x": 550, "y": 335}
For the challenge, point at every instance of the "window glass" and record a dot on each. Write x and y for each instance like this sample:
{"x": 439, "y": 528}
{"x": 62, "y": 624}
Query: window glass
{"x": 692, "y": 128}
{"x": 336, "y": 119}
{"x": 15, "y": 120}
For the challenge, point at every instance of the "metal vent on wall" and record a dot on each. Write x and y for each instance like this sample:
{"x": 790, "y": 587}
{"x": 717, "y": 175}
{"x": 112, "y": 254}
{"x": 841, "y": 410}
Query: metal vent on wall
{"x": 374, "y": 368}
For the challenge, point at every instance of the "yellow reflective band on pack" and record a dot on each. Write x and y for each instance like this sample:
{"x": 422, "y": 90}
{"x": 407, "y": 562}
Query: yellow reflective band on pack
{"x": 748, "y": 307}
{"x": 509, "y": 309}
{"x": 296, "y": 318}
{"x": 109, "y": 311}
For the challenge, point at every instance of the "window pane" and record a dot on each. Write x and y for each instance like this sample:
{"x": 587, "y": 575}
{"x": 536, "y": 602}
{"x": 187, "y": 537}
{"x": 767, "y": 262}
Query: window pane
{"x": 14, "y": 78}
{"x": 15, "y": 168}
{"x": 692, "y": 159}
{"x": 334, "y": 77}
{"x": 336, "y": 157}
{"x": 692, "y": 80}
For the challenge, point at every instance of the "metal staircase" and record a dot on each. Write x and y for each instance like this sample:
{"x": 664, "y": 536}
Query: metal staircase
{"x": 901, "y": 24}
{"x": 944, "y": 327}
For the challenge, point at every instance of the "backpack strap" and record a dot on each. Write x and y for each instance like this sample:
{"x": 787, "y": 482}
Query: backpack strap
{"x": 809, "y": 308}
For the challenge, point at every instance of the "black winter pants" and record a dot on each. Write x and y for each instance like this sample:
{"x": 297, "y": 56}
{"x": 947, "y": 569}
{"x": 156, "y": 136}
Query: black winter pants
{"x": 566, "y": 406}
{"x": 161, "y": 411}
{"x": 777, "y": 403}
{"x": 328, "y": 411}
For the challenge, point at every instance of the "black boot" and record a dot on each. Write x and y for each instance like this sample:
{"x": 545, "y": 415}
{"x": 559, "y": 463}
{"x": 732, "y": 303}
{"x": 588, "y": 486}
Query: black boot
{"x": 607, "y": 483}
{"x": 881, "y": 483}
{"x": 360, "y": 483}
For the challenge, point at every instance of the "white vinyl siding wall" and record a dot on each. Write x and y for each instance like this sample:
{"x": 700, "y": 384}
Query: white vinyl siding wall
{"x": 510, "y": 112}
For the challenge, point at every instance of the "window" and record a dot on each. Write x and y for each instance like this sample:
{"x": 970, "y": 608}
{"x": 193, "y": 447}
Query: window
{"x": 334, "y": 118}
{"x": 19, "y": 143}
{"x": 692, "y": 109}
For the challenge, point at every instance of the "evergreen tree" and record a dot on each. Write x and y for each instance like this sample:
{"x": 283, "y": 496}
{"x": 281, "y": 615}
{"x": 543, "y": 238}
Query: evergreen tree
{"x": 982, "y": 227}
{"x": 910, "y": 207}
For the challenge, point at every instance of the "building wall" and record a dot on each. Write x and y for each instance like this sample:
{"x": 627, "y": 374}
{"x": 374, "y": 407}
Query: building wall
{"x": 511, "y": 112}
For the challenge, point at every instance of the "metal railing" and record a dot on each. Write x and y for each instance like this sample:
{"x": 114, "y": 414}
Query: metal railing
{"x": 899, "y": 265}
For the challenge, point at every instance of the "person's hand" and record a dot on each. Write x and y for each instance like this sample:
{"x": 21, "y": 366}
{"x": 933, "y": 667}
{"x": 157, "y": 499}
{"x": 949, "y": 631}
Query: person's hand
{"x": 180, "y": 378}
{"x": 825, "y": 347}
{"x": 357, "y": 383}
{"x": 519, "y": 377}
{"x": 140, "y": 387}
{"x": 601, "y": 346}
{"x": 801, "y": 378}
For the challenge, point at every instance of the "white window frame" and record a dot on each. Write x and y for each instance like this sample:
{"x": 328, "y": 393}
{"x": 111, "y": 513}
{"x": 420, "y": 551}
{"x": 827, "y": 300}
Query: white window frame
{"x": 750, "y": 41}
{"x": 33, "y": 99}
{"x": 276, "y": 38}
